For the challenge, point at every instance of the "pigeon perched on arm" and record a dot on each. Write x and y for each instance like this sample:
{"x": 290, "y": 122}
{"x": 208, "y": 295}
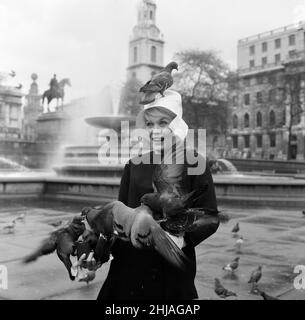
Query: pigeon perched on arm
{"x": 61, "y": 240}
{"x": 134, "y": 225}
{"x": 158, "y": 83}
{"x": 221, "y": 291}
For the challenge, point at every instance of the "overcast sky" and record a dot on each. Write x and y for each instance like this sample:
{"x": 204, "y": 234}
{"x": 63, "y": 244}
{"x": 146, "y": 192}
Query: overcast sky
{"x": 87, "y": 40}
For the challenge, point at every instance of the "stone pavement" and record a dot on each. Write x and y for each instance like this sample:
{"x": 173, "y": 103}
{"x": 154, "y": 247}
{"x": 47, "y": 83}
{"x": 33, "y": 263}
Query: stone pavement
{"x": 272, "y": 238}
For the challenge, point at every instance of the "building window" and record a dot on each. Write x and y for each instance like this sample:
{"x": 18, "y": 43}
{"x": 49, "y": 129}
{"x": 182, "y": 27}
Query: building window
{"x": 13, "y": 116}
{"x": 259, "y": 97}
{"x": 135, "y": 54}
{"x": 247, "y": 99}
{"x": 251, "y": 63}
{"x": 259, "y": 119}
{"x": 252, "y": 50}
{"x": 292, "y": 40}
{"x": 235, "y": 142}
{"x": 260, "y": 80}
{"x": 234, "y": 101}
{"x": 272, "y": 140}
{"x": 264, "y": 61}
{"x": 259, "y": 141}
{"x": 235, "y": 121}
{"x": 247, "y": 141}
{"x": 271, "y": 95}
{"x": 277, "y": 58}
{"x": 246, "y": 120}
{"x": 153, "y": 54}
{"x": 151, "y": 15}
{"x": 271, "y": 118}
{"x": 264, "y": 46}
{"x": 277, "y": 43}
{"x": 292, "y": 54}
{"x": 247, "y": 82}
{"x": 134, "y": 74}
{"x": 2, "y": 112}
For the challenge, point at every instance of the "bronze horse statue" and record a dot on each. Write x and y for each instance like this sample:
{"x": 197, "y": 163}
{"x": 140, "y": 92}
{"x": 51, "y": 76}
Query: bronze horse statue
{"x": 56, "y": 93}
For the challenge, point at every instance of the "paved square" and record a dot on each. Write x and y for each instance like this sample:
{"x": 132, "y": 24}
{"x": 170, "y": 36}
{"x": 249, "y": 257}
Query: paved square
{"x": 272, "y": 238}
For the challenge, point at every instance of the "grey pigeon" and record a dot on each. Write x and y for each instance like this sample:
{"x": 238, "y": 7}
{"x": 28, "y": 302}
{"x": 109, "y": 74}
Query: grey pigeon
{"x": 236, "y": 228}
{"x": 158, "y": 83}
{"x": 221, "y": 291}
{"x": 256, "y": 275}
{"x": 232, "y": 266}
{"x": 267, "y": 296}
{"x": 135, "y": 225}
{"x": 61, "y": 240}
{"x": 303, "y": 212}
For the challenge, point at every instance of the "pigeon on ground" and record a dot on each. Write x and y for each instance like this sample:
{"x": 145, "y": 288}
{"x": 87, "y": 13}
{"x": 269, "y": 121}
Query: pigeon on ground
{"x": 158, "y": 83}
{"x": 236, "y": 228}
{"x": 10, "y": 227}
{"x": 255, "y": 277}
{"x": 232, "y": 266}
{"x": 221, "y": 291}
{"x": 239, "y": 243}
{"x": 90, "y": 276}
{"x": 134, "y": 225}
{"x": 223, "y": 217}
{"x": 21, "y": 217}
{"x": 303, "y": 212}
{"x": 61, "y": 240}
{"x": 267, "y": 296}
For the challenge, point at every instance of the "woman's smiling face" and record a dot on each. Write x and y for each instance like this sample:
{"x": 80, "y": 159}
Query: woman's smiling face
{"x": 157, "y": 122}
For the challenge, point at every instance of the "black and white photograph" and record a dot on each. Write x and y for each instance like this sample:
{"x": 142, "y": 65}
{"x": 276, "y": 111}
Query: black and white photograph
{"x": 152, "y": 150}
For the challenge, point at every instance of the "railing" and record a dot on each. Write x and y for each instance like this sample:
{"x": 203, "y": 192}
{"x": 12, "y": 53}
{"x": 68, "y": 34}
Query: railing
{"x": 294, "y": 26}
{"x": 273, "y": 65}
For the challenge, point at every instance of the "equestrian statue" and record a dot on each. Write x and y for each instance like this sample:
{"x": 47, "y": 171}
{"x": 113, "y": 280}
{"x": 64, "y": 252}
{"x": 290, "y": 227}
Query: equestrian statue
{"x": 56, "y": 91}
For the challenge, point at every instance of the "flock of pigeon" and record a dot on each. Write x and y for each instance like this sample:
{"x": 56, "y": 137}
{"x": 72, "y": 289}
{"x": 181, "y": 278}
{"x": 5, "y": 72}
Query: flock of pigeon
{"x": 231, "y": 267}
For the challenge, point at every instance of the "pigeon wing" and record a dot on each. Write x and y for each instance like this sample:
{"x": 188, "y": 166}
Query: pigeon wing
{"x": 47, "y": 246}
{"x": 167, "y": 248}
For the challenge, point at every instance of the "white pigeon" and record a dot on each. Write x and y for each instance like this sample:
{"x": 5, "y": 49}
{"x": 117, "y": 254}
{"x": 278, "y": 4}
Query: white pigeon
{"x": 232, "y": 266}
{"x": 21, "y": 217}
{"x": 239, "y": 243}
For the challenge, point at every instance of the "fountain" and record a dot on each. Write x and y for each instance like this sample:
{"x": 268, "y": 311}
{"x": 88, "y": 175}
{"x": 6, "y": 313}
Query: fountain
{"x": 86, "y": 160}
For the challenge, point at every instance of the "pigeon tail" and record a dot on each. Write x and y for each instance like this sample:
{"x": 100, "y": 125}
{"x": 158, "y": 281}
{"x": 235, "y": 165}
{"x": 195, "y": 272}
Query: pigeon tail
{"x": 148, "y": 97}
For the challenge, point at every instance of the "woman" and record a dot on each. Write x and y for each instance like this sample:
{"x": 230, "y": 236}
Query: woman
{"x": 139, "y": 274}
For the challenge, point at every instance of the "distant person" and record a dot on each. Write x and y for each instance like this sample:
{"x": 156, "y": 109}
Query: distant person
{"x": 54, "y": 83}
{"x": 104, "y": 150}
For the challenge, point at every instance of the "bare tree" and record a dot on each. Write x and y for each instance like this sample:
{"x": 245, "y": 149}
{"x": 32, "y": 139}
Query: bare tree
{"x": 202, "y": 81}
{"x": 293, "y": 79}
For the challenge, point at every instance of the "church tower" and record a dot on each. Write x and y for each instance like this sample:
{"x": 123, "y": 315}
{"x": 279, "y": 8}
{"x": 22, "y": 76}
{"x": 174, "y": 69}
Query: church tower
{"x": 146, "y": 44}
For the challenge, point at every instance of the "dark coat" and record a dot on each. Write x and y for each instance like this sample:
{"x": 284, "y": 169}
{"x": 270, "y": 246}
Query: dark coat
{"x": 141, "y": 275}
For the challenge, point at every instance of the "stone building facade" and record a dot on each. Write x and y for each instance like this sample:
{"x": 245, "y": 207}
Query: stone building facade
{"x": 263, "y": 106}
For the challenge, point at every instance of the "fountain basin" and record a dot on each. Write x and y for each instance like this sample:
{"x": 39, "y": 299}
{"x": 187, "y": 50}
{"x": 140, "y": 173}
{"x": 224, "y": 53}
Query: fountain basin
{"x": 273, "y": 192}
